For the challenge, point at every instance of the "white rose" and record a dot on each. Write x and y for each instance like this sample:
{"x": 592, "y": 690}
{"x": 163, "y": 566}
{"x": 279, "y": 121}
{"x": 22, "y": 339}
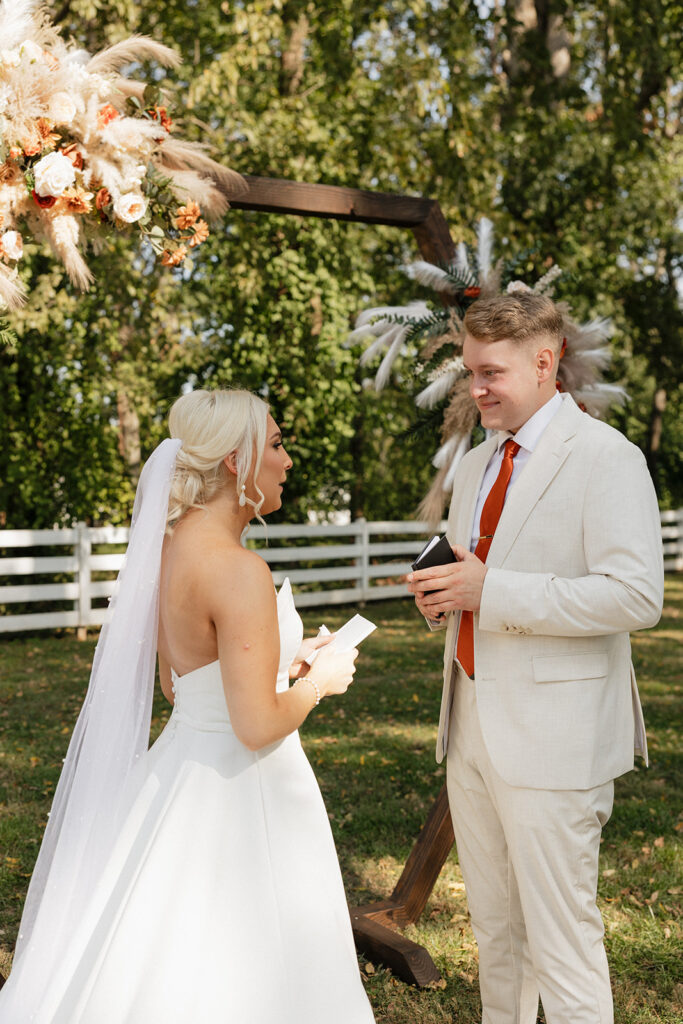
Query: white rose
{"x": 517, "y": 286}
{"x": 12, "y": 245}
{"x": 61, "y": 108}
{"x": 130, "y": 207}
{"x": 31, "y": 50}
{"x": 54, "y": 173}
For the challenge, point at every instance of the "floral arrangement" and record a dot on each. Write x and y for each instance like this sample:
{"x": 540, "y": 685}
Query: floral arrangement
{"x": 437, "y": 335}
{"x": 85, "y": 151}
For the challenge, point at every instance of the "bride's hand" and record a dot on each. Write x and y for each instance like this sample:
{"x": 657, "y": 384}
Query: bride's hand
{"x": 299, "y": 666}
{"x": 333, "y": 671}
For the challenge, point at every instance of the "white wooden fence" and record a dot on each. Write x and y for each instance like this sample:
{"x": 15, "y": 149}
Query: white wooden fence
{"x": 71, "y": 572}
{"x": 326, "y": 564}
{"x": 672, "y": 539}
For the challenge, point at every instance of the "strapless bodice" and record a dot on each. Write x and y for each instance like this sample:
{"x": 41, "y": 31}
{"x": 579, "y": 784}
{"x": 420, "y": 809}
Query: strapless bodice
{"x": 199, "y": 695}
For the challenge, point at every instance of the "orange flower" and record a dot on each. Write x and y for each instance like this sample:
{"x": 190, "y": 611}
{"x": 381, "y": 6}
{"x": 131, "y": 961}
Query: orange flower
{"x": 77, "y": 200}
{"x": 472, "y": 293}
{"x": 32, "y": 147}
{"x": 74, "y": 154}
{"x": 201, "y": 233}
{"x": 106, "y": 114}
{"x": 186, "y": 216}
{"x": 48, "y": 137}
{"x": 8, "y": 174}
{"x": 160, "y": 114}
{"x": 172, "y": 259}
{"x": 44, "y": 202}
{"x": 103, "y": 198}
{"x": 15, "y": 152}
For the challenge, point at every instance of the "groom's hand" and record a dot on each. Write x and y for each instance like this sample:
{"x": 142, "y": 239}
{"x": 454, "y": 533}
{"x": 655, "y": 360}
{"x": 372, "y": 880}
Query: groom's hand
{"x": 456, "y": 586}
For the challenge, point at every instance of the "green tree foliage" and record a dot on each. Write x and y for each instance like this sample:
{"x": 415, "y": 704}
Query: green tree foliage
{"x": 559, "y": 121}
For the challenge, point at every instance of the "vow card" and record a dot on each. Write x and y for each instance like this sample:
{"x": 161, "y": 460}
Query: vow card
{"x": 348, "y": 636}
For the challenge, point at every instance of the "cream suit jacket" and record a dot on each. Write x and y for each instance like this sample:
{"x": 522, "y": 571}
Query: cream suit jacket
{"x": 575, "y": 564}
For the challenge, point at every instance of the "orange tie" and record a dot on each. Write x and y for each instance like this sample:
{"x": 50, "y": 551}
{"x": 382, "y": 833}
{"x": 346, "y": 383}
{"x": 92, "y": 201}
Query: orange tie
{"x": 490, "y": 514}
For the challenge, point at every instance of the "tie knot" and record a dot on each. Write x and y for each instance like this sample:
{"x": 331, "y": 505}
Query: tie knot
{"x": 511, "y": 449}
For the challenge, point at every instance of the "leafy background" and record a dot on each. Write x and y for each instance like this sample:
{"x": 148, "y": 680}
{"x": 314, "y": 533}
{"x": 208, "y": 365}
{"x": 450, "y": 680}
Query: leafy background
{"x": 558, "y": 120}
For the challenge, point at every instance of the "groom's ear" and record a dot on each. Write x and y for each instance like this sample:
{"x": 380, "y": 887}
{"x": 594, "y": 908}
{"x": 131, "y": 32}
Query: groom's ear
{"x": 230, "y": 462}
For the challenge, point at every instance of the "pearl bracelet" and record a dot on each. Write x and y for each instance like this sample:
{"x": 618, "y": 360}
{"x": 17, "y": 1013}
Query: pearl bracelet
{"x": 307, "y": 679}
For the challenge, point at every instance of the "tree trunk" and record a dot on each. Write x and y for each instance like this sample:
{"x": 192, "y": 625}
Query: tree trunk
{"x": 129, "y": 434}
{"x": 292, "y": 62}
{"x": 655, "y": 438}
{"x": 527, "y": 17}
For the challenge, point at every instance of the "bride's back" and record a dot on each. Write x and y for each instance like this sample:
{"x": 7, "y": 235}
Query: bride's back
{"x": 191, "y": 557}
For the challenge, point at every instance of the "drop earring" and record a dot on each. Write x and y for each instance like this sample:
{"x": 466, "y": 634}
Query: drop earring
{"x": 243, "y": 497}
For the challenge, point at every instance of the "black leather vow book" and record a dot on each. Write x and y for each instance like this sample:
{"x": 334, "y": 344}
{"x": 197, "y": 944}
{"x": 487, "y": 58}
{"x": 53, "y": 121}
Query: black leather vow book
{"x": 437, "y": 551}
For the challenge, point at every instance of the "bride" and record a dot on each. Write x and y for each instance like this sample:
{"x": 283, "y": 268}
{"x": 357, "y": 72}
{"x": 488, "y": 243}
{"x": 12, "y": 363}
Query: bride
{"x": 195, "y": 882}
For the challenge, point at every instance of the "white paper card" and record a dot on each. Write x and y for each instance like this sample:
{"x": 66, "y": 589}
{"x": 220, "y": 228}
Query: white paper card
{"x": 348, "y": 636}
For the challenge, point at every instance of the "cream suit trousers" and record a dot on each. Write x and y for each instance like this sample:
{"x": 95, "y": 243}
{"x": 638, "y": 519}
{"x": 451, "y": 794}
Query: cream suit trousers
{"x": 529, "y": 859}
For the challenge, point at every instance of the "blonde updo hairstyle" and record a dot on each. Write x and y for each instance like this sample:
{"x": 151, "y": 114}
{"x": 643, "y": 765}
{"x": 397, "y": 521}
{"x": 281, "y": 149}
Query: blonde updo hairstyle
{"x": 210, "y": 425}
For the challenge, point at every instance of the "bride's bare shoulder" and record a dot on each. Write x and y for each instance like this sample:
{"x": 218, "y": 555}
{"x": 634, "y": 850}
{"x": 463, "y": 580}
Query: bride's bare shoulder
{"x": 230, "y": 567}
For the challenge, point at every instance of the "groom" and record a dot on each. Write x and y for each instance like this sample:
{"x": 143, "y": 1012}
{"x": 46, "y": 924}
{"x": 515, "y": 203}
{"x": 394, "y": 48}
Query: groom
{"x": 555, "y": 524}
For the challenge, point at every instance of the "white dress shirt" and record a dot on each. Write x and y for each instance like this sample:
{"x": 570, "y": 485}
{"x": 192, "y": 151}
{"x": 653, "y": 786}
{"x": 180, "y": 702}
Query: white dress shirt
{"x": 527, "y": 437}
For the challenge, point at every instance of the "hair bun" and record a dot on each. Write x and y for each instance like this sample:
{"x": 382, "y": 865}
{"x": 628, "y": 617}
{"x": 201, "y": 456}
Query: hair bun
{"x": 210, "y": 424}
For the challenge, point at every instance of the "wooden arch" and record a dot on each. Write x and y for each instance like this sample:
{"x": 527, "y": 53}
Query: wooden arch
{"x": 376, "y": 926}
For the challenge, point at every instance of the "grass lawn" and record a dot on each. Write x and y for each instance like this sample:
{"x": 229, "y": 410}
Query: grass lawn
{"x": 373, "y": 752}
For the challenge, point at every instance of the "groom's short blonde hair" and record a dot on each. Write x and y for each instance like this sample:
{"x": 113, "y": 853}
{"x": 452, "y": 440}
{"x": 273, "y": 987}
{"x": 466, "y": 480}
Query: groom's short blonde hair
{"x": 521, "y": 317}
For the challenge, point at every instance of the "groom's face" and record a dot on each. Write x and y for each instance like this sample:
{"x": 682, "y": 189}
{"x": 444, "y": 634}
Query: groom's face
{"x": 509, "y": 381}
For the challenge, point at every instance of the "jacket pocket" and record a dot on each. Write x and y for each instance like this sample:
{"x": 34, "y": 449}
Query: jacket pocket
{"x": 565, "y": 667}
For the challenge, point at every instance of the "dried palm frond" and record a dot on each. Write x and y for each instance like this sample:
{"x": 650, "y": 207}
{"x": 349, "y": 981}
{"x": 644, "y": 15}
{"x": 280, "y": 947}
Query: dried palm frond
{"x": 12, "y": 290}
{"x": 461, "y": 415}
{"x": 430, "y": 509}
{"x": 437, "y": 390}
{"x": 73, "y": 126}
{"x": 390, "y": 326}
{"x": 432, "y": 277}
{"x": 484, "y": 247}
{"x": 466, "y": 278}
{"x": 462, "y": 262}
{"x": 17, "y": 21}
{"x": 63, "y": 237}
{"x": 135, "y": 48}
{"x": 450, "y": 335}
{"x": 176, "y": 154}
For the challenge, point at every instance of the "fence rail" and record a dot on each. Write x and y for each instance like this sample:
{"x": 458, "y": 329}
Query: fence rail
{"x": 70, "y": 573}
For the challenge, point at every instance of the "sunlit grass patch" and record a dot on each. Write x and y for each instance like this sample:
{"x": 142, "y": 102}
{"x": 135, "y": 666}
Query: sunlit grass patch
{"x": 373, "y": 753}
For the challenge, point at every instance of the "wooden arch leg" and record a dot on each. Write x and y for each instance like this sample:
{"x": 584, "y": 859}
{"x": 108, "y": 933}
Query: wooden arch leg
{"x": 375, "y": 925}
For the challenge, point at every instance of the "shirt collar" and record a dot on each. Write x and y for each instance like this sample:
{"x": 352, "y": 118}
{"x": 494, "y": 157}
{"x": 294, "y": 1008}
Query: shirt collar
{"x": 529, "y": 434}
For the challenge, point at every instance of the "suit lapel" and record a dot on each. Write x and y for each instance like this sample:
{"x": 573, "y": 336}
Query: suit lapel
{"x": 552, "y": 450}
{"x": 468, "y": 481}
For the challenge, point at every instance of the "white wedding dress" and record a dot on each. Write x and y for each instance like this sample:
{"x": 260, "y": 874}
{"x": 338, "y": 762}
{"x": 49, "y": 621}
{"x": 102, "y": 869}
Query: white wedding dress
{"x": 223, "y": 901}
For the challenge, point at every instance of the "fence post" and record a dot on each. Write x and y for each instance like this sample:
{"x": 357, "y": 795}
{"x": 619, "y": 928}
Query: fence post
{"x": 362, "y": 538}
{"x": 83, "y": 552}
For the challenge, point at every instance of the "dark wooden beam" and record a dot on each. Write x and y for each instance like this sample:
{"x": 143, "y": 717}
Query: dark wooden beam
{"x": 424, "y": 863}
{"x": 374, "y": 925}
{"x": 278, "y": 195}
{"x": 434, "y": 237}
{"x": 408, "y": 961}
